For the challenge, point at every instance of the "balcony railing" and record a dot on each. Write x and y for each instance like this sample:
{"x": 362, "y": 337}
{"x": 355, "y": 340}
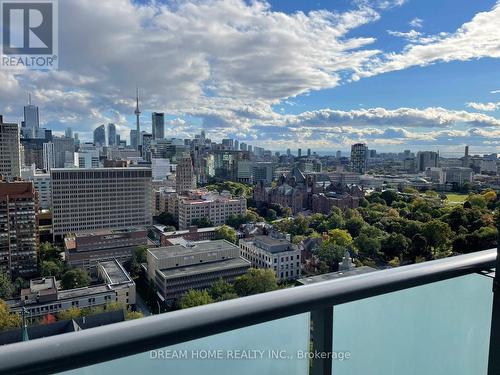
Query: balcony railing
{"x": 437, "y": 317}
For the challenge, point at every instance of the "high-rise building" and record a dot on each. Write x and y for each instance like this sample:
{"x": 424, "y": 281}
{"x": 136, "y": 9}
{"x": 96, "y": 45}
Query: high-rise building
{"x": 100, "y": 198}
{"x": 427, "y": 159}
{"x": 134, "y": 138}
{"x": 185, "y": 178}
{"x": 68, "y": 132}
{"x": 228, "y": 143}
{"x": 359, "y": 156}
{"x": 19, "y": 238}
{"x": 10, "y": 150}
{"x": 41, "y": 182}
{"x": 48, "y": 156}
{"x": 112, "y": 140}
{"x": 158, "y": 125}
{"x": 31, "y": 121}
{"x": 100, "y": 136}
{"x": 338, "y": 154}
{"x": 308, "y": 152}
{"x": 299, "y": 152}
{"x": 64, "y": 151}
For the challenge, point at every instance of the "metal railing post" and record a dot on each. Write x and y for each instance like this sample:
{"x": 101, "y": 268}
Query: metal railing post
{"x": 322, "y": 340}
{"x": 494, "y": 355}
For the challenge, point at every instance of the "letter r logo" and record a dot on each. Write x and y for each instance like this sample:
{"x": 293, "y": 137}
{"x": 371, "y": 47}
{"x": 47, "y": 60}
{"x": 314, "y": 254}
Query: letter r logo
{"x": 27, "y": 28}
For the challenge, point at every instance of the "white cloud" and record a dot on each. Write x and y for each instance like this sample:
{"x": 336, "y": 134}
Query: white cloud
{"x": 484, "y": 106}
{"x": 416, "y": 22}
{"x": 411, "y": 35}
{"x": 495, "y": 92}
{"x": 473, "y": 40}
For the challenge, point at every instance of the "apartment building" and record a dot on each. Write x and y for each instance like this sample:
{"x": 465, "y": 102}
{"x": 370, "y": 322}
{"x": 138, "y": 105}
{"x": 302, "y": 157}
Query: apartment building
{"x": 278, "y": 254}
{"x": 193, "y": 265}
{"x": 100, "y": 198}
{"x": 185, "y": 178}
{"x": 19, "y": 238}
{"x": 41, "y": 181}
{"x": 203, "y": 204}
{"x": 10, "y": 150}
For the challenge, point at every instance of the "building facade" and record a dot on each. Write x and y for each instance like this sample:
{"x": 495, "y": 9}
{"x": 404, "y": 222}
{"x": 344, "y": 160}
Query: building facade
{"x": 100, "y": 198}
{"x": 86, "y": 249}
{"x": 185, "y": 179}
{"x": 177, "y": 269}
{"x": 10, "y": 150}
{"x": 158, "y": 125}
{"x": 359, "y": 157}
{"x": 19, "y": 238}
{"x": 202, "y": 204}
{"x": 277, "y": 254}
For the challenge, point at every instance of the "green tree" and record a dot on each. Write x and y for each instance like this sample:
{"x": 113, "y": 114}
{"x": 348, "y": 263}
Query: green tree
{"x": 6, "y": 287}
{"x": 368, "y": 246}
{"x": 438, "y": 235}
{"x": 75, "y": 278}
{"x": 225, "y": 232}
{"x": 7, "y": 319}
{"x": 194, "y": 298}
{"x": 354, "y": 226}
{"x": 221, "y": 290}
{"x": 256, "y": 281}
{"x": 168, "y": 219}
{"x": 204, "y": 222}
{"x": 395, "y": 245}
{"x": 477, "y": 200}
{"x": 139, "y": 256}
{"x": 49, "y": 251}
{"x": 52, "y": 268}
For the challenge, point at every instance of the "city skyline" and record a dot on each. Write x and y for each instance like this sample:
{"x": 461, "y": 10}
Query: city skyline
{"x": 393, "y": 74}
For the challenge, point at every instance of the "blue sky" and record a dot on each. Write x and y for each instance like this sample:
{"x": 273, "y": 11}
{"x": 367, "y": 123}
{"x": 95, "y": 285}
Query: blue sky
{"x": 395, "y": 74}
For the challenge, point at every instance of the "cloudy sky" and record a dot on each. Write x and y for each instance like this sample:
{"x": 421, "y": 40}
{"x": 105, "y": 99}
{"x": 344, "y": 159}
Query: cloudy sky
{"x": 395, "y": 74}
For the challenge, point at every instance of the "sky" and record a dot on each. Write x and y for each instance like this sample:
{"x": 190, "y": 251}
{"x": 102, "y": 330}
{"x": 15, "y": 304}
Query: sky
{"x": 395, "y": 74}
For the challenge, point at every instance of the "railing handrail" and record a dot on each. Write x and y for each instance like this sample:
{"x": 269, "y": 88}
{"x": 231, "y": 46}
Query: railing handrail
{"x": 95, "y": 345}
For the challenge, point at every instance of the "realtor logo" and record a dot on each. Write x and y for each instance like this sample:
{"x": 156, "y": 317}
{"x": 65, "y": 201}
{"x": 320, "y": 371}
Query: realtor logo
{"x": 29, "y": 34}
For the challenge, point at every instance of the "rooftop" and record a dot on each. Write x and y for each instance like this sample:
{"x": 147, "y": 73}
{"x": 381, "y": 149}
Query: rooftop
{"x": 115, "y": 272}
{"x": 192, "y": 248}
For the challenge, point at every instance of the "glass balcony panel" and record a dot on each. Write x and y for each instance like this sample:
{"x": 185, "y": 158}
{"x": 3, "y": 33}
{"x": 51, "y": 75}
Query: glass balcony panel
{"x": 274, "y": 348}
{"x": 440, "y": 329}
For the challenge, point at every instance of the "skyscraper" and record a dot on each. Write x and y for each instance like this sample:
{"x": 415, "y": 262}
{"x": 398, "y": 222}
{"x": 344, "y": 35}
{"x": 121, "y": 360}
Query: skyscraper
{"x": 18, "y": 228}
{"x": 158, "y": 125}
{"x": 64, "y": 151}
{"x": 112, "y": 135}
{"x": 359, "y": 156}
{"x": 31, "y": 121}
{"x": 299, "y": 152}
{"x": 68, "y": 132}
{"x": 10, "y": 150}
{"x": 100, "y": 136}
{"x": 184, "y": 178}
{"x": 427, "y": 159}
{"x": 137, "y": 113}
